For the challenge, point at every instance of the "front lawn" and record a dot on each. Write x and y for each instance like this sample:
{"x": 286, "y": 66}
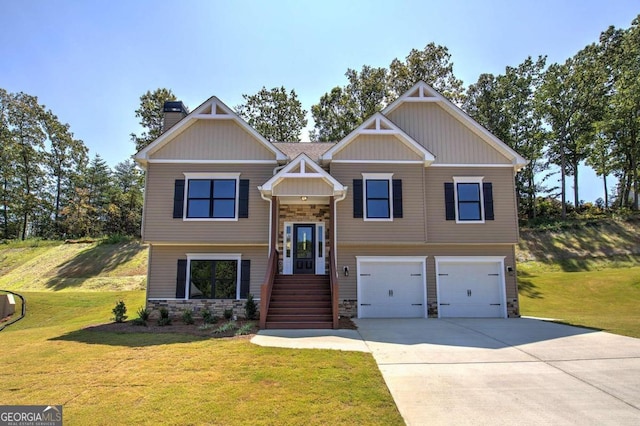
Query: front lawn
{"x": 606, "y": 297}
{"x": 144, "y": 378}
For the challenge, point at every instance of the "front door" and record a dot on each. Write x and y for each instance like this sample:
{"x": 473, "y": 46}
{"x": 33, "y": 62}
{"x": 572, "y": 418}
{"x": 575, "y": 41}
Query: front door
{"x": 304, "y": 250}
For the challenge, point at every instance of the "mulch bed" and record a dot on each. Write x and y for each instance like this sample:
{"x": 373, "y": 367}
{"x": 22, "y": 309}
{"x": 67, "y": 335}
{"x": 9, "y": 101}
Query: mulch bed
{"x": 179, "y": 327}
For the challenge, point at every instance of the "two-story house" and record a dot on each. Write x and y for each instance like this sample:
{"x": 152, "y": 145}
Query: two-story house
{"x": 413, "y": 214}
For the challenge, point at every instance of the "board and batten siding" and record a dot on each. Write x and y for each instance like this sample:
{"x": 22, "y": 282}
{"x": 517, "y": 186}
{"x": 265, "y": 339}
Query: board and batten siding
{"x": 504, "y": 229}
{"x": 347, "y": 257}
{"x": 163, "y": 267}
{"x": 214, "y": 140}
{"x": 160, "y": 226}
{"x": 450, "y": 141}
{"x": 376, "y": 147}
{"x": 302, "y": 186}
{"x": 409, "y": 228}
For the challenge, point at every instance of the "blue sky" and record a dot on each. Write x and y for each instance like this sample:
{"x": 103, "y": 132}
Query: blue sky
{"x": 90, "y": 60}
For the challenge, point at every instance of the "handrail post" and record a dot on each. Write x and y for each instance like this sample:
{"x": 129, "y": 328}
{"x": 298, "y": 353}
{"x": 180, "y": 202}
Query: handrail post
{"x": 267, "y": 287}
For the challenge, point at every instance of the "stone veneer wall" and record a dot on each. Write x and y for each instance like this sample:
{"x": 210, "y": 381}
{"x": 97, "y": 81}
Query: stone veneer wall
{"x": 304, "y": 213}
{"x": 349, "y": 308}
{"x": 215, "y": 306}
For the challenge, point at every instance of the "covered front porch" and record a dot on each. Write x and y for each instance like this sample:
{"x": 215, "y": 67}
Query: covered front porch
{"x": 300, "y": 288}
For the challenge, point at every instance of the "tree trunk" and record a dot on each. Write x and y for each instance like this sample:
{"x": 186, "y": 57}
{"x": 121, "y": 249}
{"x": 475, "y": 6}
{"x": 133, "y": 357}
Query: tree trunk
{"x": 576, "y": 198}
{"x": 563, "y": 185}
{"x": 606, "y": 194}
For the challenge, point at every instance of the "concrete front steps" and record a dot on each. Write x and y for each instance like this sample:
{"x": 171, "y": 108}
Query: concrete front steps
{"x": 299, "y": 302}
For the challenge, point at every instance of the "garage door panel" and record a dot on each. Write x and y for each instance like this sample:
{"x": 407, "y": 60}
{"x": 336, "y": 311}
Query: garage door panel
{"x": 391, "y": 290}
{"x": 470, "y": 289}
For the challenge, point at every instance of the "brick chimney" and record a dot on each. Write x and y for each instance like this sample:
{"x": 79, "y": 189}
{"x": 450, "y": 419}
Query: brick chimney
{"x": 174, "y": 111}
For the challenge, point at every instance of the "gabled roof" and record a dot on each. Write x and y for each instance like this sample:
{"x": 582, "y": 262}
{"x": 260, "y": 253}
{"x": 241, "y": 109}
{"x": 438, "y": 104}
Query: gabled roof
{"x": 378, "y": 124}
{"x": 306, "y": 168}
{"x": 312, "y": 149}
{"x": 422, "y": 92}
{"x": 212, "y": 109}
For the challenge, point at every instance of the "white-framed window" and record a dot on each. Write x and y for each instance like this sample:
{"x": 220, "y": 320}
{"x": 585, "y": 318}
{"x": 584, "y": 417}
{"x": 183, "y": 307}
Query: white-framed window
{"x": 469, "y": 199}
{"x": 211, "y": 196}
{"x": 377, "y": 196}
{"x": 213, "y": 276}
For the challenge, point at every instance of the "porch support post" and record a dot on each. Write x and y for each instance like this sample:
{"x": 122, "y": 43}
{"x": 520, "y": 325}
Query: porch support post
{"x": 332, "y": 224}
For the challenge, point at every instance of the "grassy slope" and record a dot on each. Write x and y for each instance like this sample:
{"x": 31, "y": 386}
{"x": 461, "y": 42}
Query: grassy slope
{"x": 38, "y": 265}
{"x": 144, "y": 378}
{"x": 587, "y": 275}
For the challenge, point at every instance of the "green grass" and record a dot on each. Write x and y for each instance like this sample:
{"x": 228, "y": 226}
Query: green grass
{"x": 144, "y": 378}
{"x": 601, "y": 293}
{"x": 50, "y": 265}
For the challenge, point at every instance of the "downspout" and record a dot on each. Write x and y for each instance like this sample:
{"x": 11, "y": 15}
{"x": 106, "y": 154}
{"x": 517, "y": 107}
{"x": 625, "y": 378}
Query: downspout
{"x": 270, "y": 200}
{"x": 335, "y": 227}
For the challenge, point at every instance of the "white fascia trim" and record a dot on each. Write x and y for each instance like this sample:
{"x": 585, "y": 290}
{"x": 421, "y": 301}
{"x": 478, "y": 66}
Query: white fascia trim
{"x": 208, "y": 175}
{"x": 510, "y": 166}
{"x": 391, "y": 259}
{"x": 469, "y": 179}
{"x": 393, "y": 130}
{"x": 308, "y": 168}
{"x": 377, "y": 176}
{"x": 175, "y": 161}
{"x": 197, "y": 114}
{"x": 434, "y": 96}
{"x": 465, "y": 259}
{"x": 379, "y": 161}
{"x": 213, "y": 256}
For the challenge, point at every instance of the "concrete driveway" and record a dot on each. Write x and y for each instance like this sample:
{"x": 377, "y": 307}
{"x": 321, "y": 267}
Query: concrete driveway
{"x": 511, "y": 372}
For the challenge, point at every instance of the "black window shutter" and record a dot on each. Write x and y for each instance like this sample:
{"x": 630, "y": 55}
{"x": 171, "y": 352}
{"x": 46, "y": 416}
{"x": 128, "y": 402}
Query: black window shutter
{"x": 449, "y": 201}
{"x": 357, "y": 198}
{"x": 181, "y": 280}
{"x": 397, "y": 198}
{"x": 245, "y": 278}
{"x": 178, "y": 199}
{"x": 243, "y": 199}
{"x": 487, "y": 190}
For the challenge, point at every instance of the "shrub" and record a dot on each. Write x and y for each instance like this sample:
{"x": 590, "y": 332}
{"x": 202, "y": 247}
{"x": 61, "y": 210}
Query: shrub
{"x": 139, "y": 321}
{"x": 143, "y": 314}
{"x": 228, "y": 313}
{"x": 250, "y": 307}
{"x": 208, "y": 317}
{"x": 227, "y": 326}
{"x": 164, "y": 317}
{"x": 119, "y": 312}
{"x": 187, "y": 316}
{"x": 245, "y": 329}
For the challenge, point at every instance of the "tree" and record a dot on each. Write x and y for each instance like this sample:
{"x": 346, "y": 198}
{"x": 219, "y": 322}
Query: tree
{"x": 506, "y": 106}
{"x": 24, "y": 119}
{"x": 432, "y": 65}
{"x": 124, "y": 213}
{"x": 64, "y": 160}
{"x": 151, "y": 116}
{"x": 8, "y": 159}
{"x": 98, "y": 184}
{"x": 275, "y": 114}
{"x": 345, "y": 108}
{"x": 370, "y": 90}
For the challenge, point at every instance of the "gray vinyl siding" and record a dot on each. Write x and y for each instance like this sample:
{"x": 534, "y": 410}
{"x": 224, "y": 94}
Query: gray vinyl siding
{"x": 214, "y": 140}
{"x": 409, "y": 228}
{"x": 504, "y": 229}
{"x": 163, "y": 261}
{"x": 447, "y": 138}
{"x": 159, "y": 225}
{"x": 377, "y": 147}
{"x": 347, "y": 257}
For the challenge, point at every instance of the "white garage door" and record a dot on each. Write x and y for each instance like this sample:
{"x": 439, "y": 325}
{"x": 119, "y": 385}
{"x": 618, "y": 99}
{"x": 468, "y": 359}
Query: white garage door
{"x": 391, "y": 288}
{"x": 470, "y": 288}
